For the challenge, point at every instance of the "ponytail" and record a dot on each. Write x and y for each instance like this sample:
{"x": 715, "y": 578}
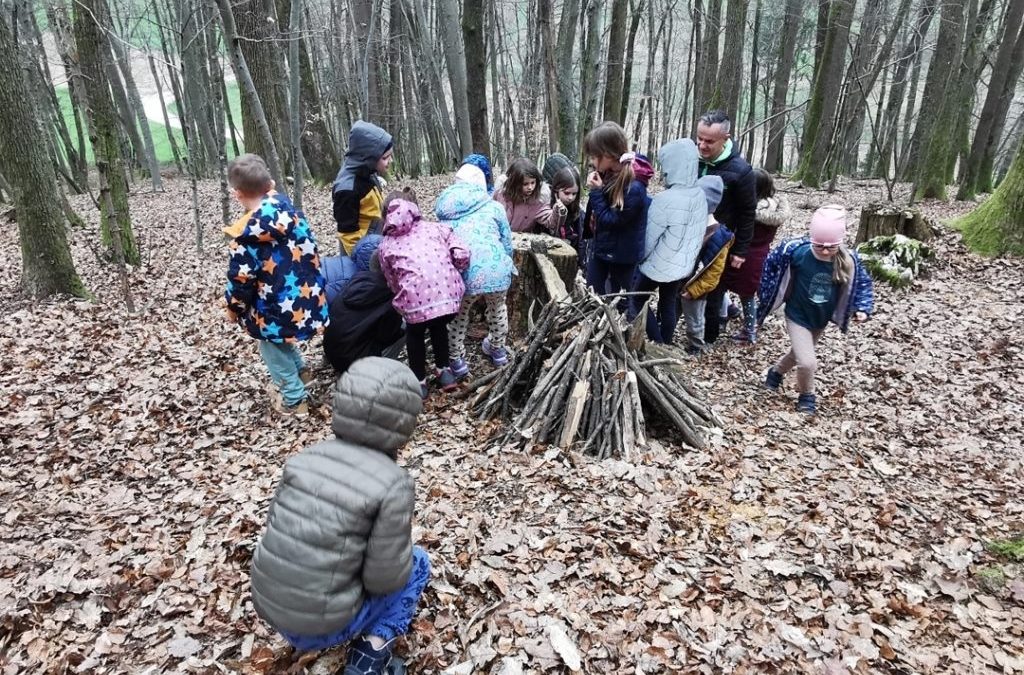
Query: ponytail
{"x": 842, "y": 267}
{"x": 618, "y": 188}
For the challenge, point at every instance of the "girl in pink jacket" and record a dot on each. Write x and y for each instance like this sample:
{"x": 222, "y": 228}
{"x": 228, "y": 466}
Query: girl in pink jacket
{"x": 423, "y": 264}
{"x": 525, "y": 196}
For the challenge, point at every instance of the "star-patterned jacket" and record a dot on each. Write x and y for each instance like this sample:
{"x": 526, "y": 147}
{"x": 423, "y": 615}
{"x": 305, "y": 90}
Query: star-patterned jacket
{"x": 274, "y": 281}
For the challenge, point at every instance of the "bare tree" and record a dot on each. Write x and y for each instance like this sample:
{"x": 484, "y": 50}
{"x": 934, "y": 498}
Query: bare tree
{"x": 473, "y": 12}
{"x": 780, "y": 91}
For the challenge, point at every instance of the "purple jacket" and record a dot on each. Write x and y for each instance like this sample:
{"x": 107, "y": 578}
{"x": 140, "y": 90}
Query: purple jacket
{"x": 423, "y": 264}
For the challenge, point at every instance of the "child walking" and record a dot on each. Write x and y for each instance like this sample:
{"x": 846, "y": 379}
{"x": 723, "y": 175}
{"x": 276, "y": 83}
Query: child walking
{"x": 772, "y": 212}
{"x": 423, "y": 264}
{"x": 819, "y": 280}
{"x": 676, "y": 222}
{"x": 616, "y": 214}
{"x": 336, "y": 563}
{"x": 524, "y": 195}
{"x": 480, "y": 222}
{"x": 357, "y": 189}
{"x": 274, "y": 283}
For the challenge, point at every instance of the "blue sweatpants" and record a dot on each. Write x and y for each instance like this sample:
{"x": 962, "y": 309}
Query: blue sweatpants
{"x": 386, "y": 616}
{"x": 284, "y": 361}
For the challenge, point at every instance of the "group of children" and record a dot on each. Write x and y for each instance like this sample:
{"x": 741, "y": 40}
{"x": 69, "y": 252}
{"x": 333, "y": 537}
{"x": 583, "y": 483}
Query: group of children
{"x": 351, "y": 574}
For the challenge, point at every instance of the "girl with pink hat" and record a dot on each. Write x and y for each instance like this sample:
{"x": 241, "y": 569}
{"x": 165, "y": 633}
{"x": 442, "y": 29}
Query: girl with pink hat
{"x": 819, "y": 280}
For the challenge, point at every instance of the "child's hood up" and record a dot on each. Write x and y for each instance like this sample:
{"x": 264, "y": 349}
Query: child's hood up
{"x": 367, "y": 143}
{"x": 679, "y": 162}
{"x": 461, "y": 199}
{"x": 376, "y": 403}
{"x": 401, "y": 218}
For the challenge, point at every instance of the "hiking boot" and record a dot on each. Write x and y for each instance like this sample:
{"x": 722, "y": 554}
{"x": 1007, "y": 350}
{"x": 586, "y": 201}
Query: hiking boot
{"x": 363, "y": 659}
{"x": 773, "y": 380}
{"x": 446, "y": 380}
{"x": 306, "y": 375}
{"x": 300, "y": 409}
{"x": 498, "y": 355}
{"x": 459, "y": 368}
{"x": 807, "y": 404}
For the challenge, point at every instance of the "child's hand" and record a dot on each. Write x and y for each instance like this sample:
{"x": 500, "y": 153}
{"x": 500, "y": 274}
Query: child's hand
{"x": 560, "y": 207}
{"x": 736, "y": 261}
{"x": 594, "y": 180}
{"x": 860, "y": 317}
{"x": 686, "y": 295}
{"x": 230, "y": 315}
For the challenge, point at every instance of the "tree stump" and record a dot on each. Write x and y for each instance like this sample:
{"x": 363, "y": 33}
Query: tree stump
{"x": 887, "y": 219}
{"x": 547, "y": 270}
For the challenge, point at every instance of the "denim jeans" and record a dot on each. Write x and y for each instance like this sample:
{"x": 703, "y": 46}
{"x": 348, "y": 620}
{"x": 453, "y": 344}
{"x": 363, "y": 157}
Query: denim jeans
{"x": 662, "y": 327}
{"x": 693, "y": 316}
{"x": 284, "y": 361}
{"x": 386, "y": 616}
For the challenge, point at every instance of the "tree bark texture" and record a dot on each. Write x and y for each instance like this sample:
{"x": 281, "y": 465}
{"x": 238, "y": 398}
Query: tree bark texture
{"x": 455, "y": 59}
{"x": 46, "y": 264}
{"x": 567, "y": 104}
{"x": 996, "y": 227}
{"x": 730, "y": 74}
{"x": 94, "y": 60}
{"x": 476, "y": 73}
{"x": 616, "y": 56}
{"x": 774, "y": 156}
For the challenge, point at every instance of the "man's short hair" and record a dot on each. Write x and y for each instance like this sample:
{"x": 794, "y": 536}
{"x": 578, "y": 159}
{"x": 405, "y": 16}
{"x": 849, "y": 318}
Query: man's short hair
{"x": 249, "y": 174}
{"x": 716, "y": 117}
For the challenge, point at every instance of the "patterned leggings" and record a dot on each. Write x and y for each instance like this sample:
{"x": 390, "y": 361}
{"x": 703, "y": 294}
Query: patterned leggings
{"x": 497, "y": 323}
{"x": 386, "y": 616}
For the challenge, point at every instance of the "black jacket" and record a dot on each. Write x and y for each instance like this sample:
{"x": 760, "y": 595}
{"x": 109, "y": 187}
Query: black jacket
{"x": 739, "y": 201}
{"x": 363, "y": 321}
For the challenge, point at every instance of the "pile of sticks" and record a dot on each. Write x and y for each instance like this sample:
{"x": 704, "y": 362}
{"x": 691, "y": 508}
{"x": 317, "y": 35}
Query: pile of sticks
{"x": 582, "y": 381}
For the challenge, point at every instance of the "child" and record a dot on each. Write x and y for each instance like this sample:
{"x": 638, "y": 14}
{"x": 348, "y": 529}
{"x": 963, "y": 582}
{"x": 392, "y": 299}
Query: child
{"x": 772, "y": 212}
{"x": 357, "y": 190}
{"x": 423, "y": 262}
{"x": 566, "y": 215}
{"x": 818, "y": 280}
{"x": 525, "y": 197}
{"x": 616, "y": 213}
{"x": 336, "y": 562}
{"x": 363, "y": 320}
{"x": 676, "y": 222}
{"x": 714, "y": 251}
{"x": 481, "y": 162}
{"x": 480, "y": 222}
{"x": 274, "y": 283}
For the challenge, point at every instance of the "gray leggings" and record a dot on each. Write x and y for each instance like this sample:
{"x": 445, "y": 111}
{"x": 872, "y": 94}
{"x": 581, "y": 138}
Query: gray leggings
{"x": 801, "y": 356}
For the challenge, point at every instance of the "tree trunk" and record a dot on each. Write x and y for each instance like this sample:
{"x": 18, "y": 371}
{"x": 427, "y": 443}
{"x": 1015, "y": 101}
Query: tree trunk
{"x": 780, "y": 92}
{"x": 46, "y": 264}
{"x": 148, "y": 147}
{"x": 567, "y": 106}
{"x": 709, "y": 92}
{"x": 365, "y": 14}
{"x": 996, "y": 227}
{"x": 637, "y": 12}
{"x": 933, "y": 137}
{"x": 884, "y": 219}
{"x": 977, "y": 173}
{"x": 550, "y": 75}
{"x": 730, "y": 75}
{"x": 616, "y": 56}
{"x": 295, "y": 109}
{"x": 196, "y": 95}
{"x": 168, "y": 129}
{"x": 262, "y": 135}
{"x": 748, "y": 142}
{"x": 318, "y": 144}
{"x": 455, "y": 58}
{"x": 821, "y": 34}
{"x": 94, "y": 60}
{"x": 530, "y": 284}
{"x": 590, "y": 68}
{"x": 61, "y": 31}
{"x": 476, "y": 73}
{"x": 820, "y": 120}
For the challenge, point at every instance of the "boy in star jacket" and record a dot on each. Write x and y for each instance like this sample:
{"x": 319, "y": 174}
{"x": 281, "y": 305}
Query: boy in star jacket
{"x": 274, "y": 283}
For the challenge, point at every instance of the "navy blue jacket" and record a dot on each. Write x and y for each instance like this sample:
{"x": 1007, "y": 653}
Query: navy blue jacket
{"x": 618, "y": 233}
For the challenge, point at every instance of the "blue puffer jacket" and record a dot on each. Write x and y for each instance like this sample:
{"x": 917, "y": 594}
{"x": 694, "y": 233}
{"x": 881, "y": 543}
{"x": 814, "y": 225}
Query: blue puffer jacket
{"x": 677, "y": 217}
{"x": 776, "y": 282}
{"x": 338, "y": 270}
{"x": 482, "y": 224}
{"x": 618, "y": 233}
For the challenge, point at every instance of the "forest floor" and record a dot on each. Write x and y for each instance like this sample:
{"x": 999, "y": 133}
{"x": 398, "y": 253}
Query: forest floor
{"x": 139, "y": 458}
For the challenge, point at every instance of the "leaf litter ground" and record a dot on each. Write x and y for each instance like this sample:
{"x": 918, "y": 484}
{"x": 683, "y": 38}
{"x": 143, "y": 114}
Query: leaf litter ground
{"x": 140, "y": 457}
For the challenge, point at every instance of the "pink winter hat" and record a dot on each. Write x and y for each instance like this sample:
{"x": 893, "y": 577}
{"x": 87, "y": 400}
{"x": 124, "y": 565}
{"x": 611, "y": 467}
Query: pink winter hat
{"x": 828, "y": 225}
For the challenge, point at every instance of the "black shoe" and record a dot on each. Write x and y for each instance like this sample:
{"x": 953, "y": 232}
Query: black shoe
{"x": 807, "y": 404}
{"x": 773, "y": 380}
{"x": 363, "y": 659}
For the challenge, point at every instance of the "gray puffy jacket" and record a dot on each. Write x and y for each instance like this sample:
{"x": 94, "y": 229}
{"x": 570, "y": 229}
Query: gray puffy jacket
{"x": 340, "y": 525}
{"x": 677, "y": 217}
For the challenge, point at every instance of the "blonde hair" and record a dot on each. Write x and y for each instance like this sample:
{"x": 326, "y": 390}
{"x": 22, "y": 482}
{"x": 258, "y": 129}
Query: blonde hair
{"x": 609, "y": 140}
{"x": 842, "y": 266}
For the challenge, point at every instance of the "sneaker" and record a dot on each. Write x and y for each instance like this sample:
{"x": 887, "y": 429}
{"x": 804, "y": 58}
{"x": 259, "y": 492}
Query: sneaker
{"x": 807, "y": 404}
{"x": 743, "y": 338}
{"x": 446, "y": 380}
{"x": 306, "y": 375}
{"x": 459, "y": 368}
{"x": 363, "y": 659}
{"x": 498, "y": 355}
{"x": 773, "y": 380}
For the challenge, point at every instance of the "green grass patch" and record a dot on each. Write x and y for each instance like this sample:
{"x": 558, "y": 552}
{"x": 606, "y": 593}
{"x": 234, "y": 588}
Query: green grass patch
{"x": 1009, "y": 548}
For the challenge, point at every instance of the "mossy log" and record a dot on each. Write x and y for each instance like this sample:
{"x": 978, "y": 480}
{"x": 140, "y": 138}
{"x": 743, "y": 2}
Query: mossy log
{"x": 885, "y": 219}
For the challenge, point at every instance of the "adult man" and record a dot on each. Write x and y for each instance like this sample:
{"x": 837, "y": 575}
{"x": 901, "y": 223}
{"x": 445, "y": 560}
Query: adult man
{"x": 719, "y": 156}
